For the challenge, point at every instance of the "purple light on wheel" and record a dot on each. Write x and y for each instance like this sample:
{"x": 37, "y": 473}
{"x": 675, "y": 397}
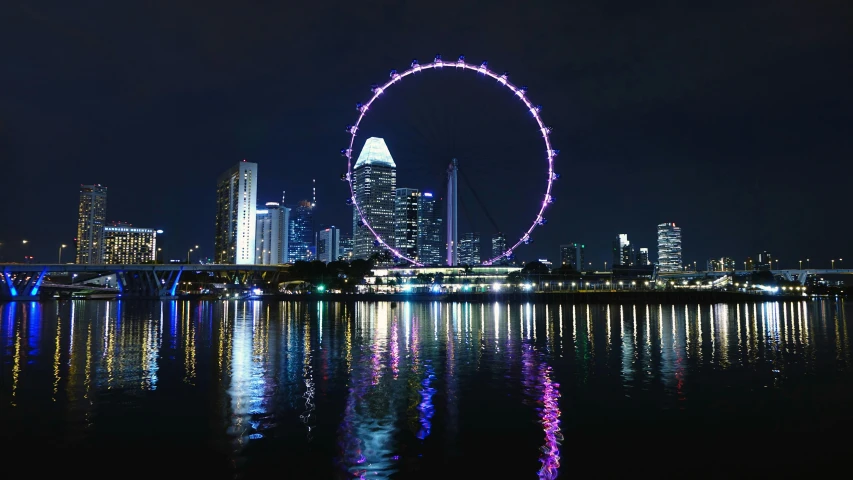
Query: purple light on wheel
{"x": 502, "y": 79}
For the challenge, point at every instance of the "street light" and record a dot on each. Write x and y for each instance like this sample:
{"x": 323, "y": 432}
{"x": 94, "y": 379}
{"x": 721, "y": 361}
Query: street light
{"x": 188, "y": 253}
{"x": 801, "y": 264}
{"x": 808, "y": 263}
{"x": 833, "y": 263}
{"x": 60, "y": 253}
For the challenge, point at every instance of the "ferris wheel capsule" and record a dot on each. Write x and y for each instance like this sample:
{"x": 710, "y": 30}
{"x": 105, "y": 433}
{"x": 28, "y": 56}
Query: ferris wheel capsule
{"x": 415, "y": 63}
{"x": 351, "y": 129}
{"x": 503, "y": 77}
{"x": 347, "y": 152}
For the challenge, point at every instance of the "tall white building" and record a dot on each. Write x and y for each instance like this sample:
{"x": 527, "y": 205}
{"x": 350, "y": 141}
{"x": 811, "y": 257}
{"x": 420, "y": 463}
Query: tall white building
{"x": 91, "y": 220}
{"x": 271, "y": 240}
{"x": 375, "y": 184}
{"x": 328, "y": 244}
{"x": 669, "y": 248}
{"x": 128, "y": 245}
{"x": 236, "y": 198}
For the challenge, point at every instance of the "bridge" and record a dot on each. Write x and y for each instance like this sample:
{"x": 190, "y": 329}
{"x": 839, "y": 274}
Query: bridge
{"x": 798, "y": 275}
{"x": 24, "y": 281}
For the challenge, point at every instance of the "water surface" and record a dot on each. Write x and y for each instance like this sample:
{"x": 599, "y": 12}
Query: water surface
{"x": 246, "y": 389}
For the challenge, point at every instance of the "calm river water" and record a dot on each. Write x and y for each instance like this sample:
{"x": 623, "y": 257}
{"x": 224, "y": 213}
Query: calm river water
{"x": 249, "y": 389}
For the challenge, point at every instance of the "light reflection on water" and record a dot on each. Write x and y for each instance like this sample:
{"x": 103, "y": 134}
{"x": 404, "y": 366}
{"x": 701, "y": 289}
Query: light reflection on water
{"x": 381, "y": 390}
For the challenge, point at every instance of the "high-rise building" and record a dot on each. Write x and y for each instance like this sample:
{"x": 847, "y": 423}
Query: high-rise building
{"x": 669, "y": 248}
{"x": 765, "y": 261}
{"x": 271, "y": 240}
{"x": 91, "y": 220}
{"x": 469, "y": 249}
{"x": 430, "y": 246}
{"x": 622, "y": 251}
{"x": 406, "y": 221}
{"x": 499, "y": 248}
{"x": 301, "y": 232}
{"x": 345, "y": 248}
{"x": 236, "y": 198}
{"x": 452, "y": 214}
{"x": 128, "y": 245}
{"x": 572, "y": 255}
{"x": 328, "y": 244}
{"x": 643, "y": 257}
{"x": 375, "y": 183}
{"x": 724, "y": 264}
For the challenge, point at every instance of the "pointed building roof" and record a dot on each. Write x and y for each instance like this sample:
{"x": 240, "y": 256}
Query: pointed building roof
{"x": 375, "y": 152}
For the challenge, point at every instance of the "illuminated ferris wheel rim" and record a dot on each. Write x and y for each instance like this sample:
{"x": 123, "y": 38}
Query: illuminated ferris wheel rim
{"x": 520, "y": 92}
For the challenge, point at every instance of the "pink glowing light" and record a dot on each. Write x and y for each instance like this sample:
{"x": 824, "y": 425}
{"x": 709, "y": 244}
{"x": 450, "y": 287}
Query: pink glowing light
{"x": 519, "y": 92}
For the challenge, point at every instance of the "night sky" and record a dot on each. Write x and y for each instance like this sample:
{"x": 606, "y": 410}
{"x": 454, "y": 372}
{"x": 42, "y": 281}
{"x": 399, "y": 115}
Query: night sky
{"x": 732, "y": 120}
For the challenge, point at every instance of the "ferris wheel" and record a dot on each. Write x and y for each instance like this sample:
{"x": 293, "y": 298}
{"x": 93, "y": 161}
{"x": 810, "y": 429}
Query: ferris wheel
{"x": 483, "y": 70}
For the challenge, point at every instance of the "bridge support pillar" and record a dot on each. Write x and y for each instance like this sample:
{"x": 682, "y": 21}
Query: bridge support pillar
{"x": 21, "y": 285}
{"x": 149, "y": 283}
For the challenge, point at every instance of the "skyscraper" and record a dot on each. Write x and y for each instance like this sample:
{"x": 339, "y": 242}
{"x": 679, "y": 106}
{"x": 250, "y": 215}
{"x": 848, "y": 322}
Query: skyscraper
{"x": 91, "y": 220}
{"x": 345, "y": 248}
{"x": 499, "y": 247}
{"x": 236, "y": 197}
{"x": 271, "y": 239}
{"x": 374, "y": 182}
{"x": 128, "y": 245}
{"x": 406, "y": 221}
{"x": 643, "y": 257}
{"x": 469, "y": 249}
{"x": 328, "y": 244}
{"x": 572, "y": 255}
{"x": 669, "y": 247}
{"x": 622, "y": 251}
{"x": 452, "y": 217}
{"x": 301, "y": 232}
{"x": 430, "y": 246}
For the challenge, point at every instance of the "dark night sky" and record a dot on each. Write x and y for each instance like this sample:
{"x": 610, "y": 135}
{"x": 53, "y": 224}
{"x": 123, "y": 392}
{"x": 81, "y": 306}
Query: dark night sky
{"x": 732, "y": 120}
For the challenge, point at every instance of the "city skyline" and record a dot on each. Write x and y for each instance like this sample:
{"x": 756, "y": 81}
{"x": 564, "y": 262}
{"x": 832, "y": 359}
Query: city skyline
{"x": 646, "y": 118}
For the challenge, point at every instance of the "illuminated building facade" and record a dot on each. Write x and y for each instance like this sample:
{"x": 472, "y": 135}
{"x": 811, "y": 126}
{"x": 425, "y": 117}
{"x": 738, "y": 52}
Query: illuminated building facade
{"x": 430, "y": 246}
{"x": 643, "y": 257}
{"x": 623, "y": 252}
{"x": 724, "y": 264}
{"x": 128, "y": 245}
{"x": 572, "y": 255}
{"x": 499, "y": 247}
{"x": 236, "y": 198}
{"x": 375, "y": 184}
{"x": 301, "y": 232}
{"x": 91, "y": 221}
{"x": 469, "y": 249}
{"x": 669, "y": 248}
{"x": 345, "y": 248}
{"x": 328, "y": 244}
{"x": 271, "y": 240}
{"x": 406, "y": 221}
